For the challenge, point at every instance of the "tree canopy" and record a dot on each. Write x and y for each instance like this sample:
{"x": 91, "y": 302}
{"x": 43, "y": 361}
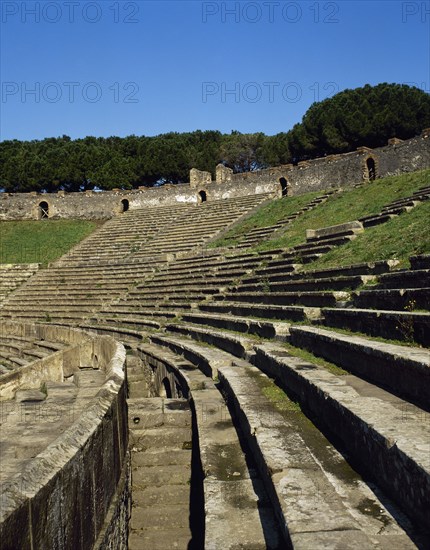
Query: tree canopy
{"x": 365, "y": 116}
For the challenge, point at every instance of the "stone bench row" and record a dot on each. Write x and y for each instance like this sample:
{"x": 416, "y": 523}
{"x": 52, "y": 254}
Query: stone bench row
{"x": 359, "y": 416}
{"x": 287, "y": 462}
{"x": 233, "y": 498}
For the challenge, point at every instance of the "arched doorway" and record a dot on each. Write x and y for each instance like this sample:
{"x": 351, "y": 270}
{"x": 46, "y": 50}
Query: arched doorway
{"x": 166, "y": 389}
{"x": 43, "y": 210}
{"x": 284, "y": 186}
{"x": 371, "y": 169}
{"x": 125, "y": 205}
{"x": 203, "y": 196}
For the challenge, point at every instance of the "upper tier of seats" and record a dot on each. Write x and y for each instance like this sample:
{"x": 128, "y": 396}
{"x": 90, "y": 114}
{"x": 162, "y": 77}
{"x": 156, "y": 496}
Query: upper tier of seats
{"x": 152, "y": 233}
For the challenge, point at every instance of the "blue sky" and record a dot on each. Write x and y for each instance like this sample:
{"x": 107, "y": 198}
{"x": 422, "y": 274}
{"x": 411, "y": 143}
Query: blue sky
{"x": 108, "y": 68}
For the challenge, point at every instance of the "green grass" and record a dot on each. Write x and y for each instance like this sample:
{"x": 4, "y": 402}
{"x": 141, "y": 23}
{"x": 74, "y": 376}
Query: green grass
{"x": 407, "y": 343}
{"x": 267, "y": 215}
{"x": 403, "y": 236}
{"x": 41, "y": 241}
{"x": 311, "y": 358}
{"x": 276, "y": 395}
{"x": 350, "y": 205}
{"x": 400, "y": 238}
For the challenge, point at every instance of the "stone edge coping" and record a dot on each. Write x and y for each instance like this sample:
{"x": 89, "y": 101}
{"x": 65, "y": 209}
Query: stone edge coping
{"x": 52, "y": 461}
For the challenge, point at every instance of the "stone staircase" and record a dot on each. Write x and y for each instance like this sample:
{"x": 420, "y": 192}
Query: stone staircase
{"x": 258, "y": 234}
{"x": 378, "y": 394}
{"x": 13, "y": 275}
{"x": 17, "y": 351}
{"x": 97, "y": 272}
{"x": 397, "y": 207}
{"x": 160, "y": 444}
{"x": 120, "y": 237}
{"x": 269, "y": 406}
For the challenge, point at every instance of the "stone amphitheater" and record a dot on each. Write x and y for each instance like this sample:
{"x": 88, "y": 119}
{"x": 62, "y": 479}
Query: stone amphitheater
{"x": 151, "y": 398}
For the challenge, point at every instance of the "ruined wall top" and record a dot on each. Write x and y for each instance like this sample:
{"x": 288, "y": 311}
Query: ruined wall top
{"x": 331, "y": 171}
{"x": 199, "y": 178}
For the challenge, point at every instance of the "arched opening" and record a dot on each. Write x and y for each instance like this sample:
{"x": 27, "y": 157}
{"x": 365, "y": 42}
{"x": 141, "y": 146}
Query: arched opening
{"x": 371, "y": 169}
{"x": 284, "y": 186}
{"x": 125, "y": 205}
{"x": 43, "y": 210}
{"x": 178, "y": 390}
{"x": 203, "y": 196}
{"x": 165, "y": 390}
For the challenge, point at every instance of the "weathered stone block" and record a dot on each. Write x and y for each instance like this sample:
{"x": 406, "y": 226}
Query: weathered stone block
{"x": 323, "y": 232}
{"x": 199, "y": 178}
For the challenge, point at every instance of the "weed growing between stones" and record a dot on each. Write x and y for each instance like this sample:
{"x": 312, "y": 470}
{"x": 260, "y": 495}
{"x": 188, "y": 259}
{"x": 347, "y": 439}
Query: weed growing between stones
{"x": 406, "y": 325}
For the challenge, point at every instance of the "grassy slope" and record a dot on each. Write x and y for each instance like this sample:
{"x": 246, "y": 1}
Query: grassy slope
{"x": 45, "y": 241}
{"x": 400, "y": 238}
{"x": 40, "y": 241}
{"x": 266, "y": 215}
{"x": 350, "y": 205}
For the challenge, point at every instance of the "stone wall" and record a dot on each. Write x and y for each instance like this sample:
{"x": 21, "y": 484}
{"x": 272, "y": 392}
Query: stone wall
{"x": 199, "y": 178}
{"x": 335, "y": 171}
{"x": 69, "y": 493}
{"x": 223, "y": 173}
{"x": 332, "y": 171}
{"x": 103, "y": 205}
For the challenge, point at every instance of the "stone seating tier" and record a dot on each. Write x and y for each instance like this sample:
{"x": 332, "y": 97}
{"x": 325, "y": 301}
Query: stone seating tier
{"x": 258, "y": 417}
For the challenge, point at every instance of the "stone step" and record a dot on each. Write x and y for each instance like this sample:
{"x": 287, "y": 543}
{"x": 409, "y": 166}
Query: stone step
{"x": 423, "y": 191}
{"x": 396, "y": 210}
{"x": 231, "y": 343}
{"x": 210, "y": 285}
{"x": 210, "y": 274}
{"x": 407, "y": 202}
{"x": 425, "y": 188}
{"x": 6, "y": 364}
{"x": 49, "y": 294}
{"x": 119, "y": 311}
{"x": 387, "y": 438}
{"x": 47, "y": 305}
{"x": 13, "y": 360}
{"x": 334, "y": 231}
{"x": 328, "y": 283}
{"x": 420, "y": 262}
{"x": 285, "y": 313}
{"x": 136, "y": 323}
{"x": 307, "y": 251}
{"x": 369, "y": 268}
{"x": 34, "y": 313}
{"x": 396, "y": 325}
{"x": 164, "y": 291}
{"x": 310, "y": 299}
{"x": 263, "y": 329}
{"x": 402, "y": 370}
{"x": 305, "y": 257}
{"x": 167, "y": 295}
{"x": 371, "y": 221}
{"x": 158, "y": 305}
{"x": 340, "y": 238}
{"x": 398, "y": 298}
{"x": 416, "y": 278}
{"x": 287, "y": 267}
{"x": 318, "y": 497}
{"x": 125, "y": 334}
{"x": 237, "y": 509}
{"x": 284, "y": 452}
{"x": 159, "y": 437}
